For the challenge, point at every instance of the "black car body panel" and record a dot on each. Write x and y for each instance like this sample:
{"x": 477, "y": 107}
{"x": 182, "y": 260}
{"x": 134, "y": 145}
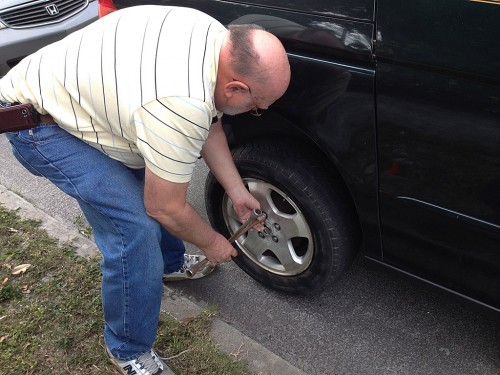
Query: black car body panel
{"x": 438, "y": 107}
{"x": 402, "y": 100}
{"x": 351, "y": 9}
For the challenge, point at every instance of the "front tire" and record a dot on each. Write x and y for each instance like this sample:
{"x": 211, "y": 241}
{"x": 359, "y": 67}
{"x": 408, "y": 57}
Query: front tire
{"x": 309, "y": 230}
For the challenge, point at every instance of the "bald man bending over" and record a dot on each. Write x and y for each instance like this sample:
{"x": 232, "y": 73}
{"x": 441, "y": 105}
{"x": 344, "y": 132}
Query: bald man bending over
{"x": 127, "y": 105}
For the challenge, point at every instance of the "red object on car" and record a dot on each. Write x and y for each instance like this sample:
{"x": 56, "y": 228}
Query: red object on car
{"x": 106, "y": 7}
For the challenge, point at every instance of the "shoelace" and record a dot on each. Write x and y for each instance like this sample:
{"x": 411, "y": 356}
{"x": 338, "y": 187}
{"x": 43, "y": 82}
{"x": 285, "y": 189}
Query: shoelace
{"x": 148, "y": 363}
{"x": 189, "y": 261}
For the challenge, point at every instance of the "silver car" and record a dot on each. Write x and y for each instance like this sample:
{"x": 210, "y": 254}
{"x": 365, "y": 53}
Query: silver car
{"x": 28, "y": 25}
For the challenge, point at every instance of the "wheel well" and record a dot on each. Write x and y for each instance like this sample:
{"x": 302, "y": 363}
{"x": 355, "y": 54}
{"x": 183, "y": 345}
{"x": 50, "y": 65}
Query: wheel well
{"x": 245, "y": 129}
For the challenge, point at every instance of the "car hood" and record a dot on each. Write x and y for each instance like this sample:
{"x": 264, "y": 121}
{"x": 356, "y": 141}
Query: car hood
{"x": 4, "y": 4}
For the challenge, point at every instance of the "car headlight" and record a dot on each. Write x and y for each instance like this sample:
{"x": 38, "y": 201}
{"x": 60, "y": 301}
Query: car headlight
{"x": 2, "y": 26}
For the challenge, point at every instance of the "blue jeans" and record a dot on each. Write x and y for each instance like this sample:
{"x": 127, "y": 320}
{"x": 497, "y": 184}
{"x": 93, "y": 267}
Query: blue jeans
{"x": 136, "y": 249}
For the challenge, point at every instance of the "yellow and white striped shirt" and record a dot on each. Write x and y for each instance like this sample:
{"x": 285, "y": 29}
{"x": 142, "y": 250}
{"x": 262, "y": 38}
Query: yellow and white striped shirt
{"x": 138, "y": 85}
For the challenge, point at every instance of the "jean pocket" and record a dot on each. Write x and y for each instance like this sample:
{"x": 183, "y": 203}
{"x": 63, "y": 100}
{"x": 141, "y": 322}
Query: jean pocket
{"x": 40, "y": 134}
{"x": 44, "y": 133}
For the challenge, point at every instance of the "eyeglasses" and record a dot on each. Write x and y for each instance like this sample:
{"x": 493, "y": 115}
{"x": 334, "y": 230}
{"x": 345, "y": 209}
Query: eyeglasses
{"x": 256, "y": 111}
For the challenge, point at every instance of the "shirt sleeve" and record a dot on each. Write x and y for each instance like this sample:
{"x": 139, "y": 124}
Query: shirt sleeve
{"x": 170, "y": 134}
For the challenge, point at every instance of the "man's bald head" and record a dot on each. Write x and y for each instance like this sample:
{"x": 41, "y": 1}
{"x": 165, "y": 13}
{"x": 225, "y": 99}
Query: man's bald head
{"x": 258, "y": 56}
{"x": 253, "y": 70}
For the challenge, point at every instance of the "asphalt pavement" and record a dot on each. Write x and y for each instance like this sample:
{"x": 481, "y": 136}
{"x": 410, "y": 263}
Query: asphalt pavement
{"x": 369, "y": 322}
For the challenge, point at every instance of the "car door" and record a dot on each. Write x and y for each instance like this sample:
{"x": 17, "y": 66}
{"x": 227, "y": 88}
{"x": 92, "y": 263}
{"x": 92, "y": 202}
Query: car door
{"x": 438, "y": 111}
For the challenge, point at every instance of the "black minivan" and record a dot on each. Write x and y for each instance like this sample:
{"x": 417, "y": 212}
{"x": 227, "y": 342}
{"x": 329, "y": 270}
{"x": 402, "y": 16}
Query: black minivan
{"x": 387, "y": 140}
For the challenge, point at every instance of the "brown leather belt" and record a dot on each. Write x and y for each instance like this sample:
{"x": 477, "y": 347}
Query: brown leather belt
{"x": 46, "y": 119}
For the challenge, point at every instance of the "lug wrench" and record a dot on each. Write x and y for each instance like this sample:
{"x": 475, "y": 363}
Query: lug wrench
{"x": 245, "y": 227}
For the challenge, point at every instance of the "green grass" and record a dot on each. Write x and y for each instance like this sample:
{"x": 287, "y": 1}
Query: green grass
{"x": 51, "y": 317}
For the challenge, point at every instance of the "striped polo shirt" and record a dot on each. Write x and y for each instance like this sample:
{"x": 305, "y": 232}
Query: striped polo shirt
{"x": 137, "y": 84}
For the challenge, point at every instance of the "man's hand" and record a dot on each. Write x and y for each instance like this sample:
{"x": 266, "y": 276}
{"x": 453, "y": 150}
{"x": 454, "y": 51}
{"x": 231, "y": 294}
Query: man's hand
{"x": 220, "y": 251}
{"x": 244, "y": 203}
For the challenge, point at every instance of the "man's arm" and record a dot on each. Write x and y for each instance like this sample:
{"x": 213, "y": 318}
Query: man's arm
{"x": 218, "y": 157}
{"x": 166, "y": 202}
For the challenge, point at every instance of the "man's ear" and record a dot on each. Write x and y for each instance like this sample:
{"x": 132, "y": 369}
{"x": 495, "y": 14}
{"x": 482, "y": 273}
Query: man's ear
{"x": 235, "y": 87}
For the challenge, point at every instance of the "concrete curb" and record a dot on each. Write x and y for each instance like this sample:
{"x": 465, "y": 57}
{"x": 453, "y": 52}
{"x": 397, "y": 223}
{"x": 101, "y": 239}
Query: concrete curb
{"x": 260, "y": 360}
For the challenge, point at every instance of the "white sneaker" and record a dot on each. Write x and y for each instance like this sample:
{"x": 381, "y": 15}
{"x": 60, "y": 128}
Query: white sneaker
{"x": 189, "y": 261}
{"x": 148, "y": 363}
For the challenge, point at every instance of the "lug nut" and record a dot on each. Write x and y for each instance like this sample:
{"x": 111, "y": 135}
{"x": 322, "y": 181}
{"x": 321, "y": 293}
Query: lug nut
{"x": 275, "y": 239}
{"x": 261, "y": 235}
{"x": 277, "y": 226}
